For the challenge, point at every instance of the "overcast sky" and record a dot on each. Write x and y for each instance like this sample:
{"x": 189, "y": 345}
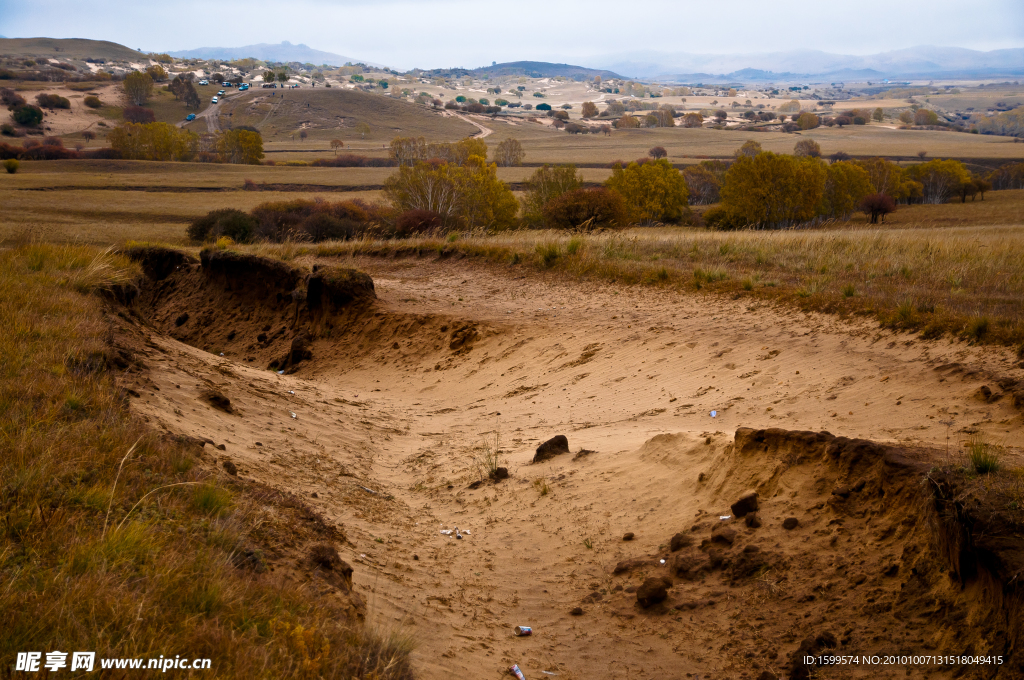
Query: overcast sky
{"x": 442, "y": 33}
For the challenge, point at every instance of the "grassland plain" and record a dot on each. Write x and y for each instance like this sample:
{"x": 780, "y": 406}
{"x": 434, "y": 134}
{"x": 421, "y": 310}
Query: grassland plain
{"x": 123, "y": 542}
{"x": 945, "y": 268}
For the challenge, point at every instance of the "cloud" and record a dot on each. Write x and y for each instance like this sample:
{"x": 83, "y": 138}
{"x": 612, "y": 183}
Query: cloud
{"x": 432, "y": 33}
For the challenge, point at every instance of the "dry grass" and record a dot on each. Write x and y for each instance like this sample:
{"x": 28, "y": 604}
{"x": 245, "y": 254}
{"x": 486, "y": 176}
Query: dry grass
{"x": 326, "y": 114}
{"x": 145, "y": 565}
{"x": 964, "y": 281}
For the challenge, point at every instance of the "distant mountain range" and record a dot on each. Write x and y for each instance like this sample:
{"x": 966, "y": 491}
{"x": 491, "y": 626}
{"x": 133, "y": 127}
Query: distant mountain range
{"x": 283, "y": 52}
{"x": 531, "y": 69}
{"x": 922, "y": 61}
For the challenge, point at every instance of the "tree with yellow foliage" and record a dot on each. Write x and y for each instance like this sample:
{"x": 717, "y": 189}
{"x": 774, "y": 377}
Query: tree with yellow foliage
{"x": 940, "y": 180}
{"x": 509, "y": 153}
{"x": 138, "y": 87}
{"x": 627, "y": 122}
{"x": 654, "y": 191}
{"x": 808, "y": 121}
{"x": 589, "y": 110}
{"x": 846, "y": 185}
{"x": 770, "y": 191}
{"x": 890, "y": 179}
{"x": 153, "y": 142}
{"x": 463, "y": 196}
{"x": 240, "y": 146}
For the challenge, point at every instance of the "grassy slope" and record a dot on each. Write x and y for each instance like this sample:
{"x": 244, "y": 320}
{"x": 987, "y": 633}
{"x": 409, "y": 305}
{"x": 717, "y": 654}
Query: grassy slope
{"x": 117, "y": 541}
{"x": 335, "y": 113}
{"x": 70, "y": 48}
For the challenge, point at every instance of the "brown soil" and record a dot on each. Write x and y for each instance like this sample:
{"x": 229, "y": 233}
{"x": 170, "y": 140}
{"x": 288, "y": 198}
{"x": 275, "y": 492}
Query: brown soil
{"x": 402, "y": 386}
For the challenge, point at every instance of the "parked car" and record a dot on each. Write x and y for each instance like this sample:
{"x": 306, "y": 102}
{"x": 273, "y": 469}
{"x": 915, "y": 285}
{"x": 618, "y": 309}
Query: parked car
{"x": 190, "y": 116}
{"x": 273, "y": 85}
{"x": 243, "y": 87}
{"x": 220, "y": 93}
{"x": 214, "y": 100}
{"x": 226, "y": 84}
{"x": 204, "y": 82}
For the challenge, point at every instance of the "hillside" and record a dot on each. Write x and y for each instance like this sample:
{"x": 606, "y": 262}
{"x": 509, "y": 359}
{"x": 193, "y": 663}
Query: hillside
{"x": 68, "y": 48}
{"x": 531, "y": 69}
{"x": 337, "y": 113}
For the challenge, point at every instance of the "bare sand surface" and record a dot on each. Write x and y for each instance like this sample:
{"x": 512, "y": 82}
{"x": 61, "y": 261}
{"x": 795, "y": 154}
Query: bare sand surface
{"x": 387, "y": 425}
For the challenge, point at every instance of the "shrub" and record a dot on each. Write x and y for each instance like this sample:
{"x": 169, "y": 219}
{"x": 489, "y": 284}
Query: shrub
{"x": 877, "y": 205}
{"x": 347, "y": 160}
{"x": 306, "y": 219}
{"x": 7, "y": 130}
{"x": 47, "y": 152}
{"x": 807, "y": 121}
{"x": 723, "y": 219}
{"x": 138, "y": 114}
{"x": 53, "y": 101}
{"x": 807, "y": 147}
{"x": 235, "y": 224}
{"x": 702, "y": 185}
{"x": 543, "y": 107}
{"x": 10, "y": 98}
{"x": 28, "y": 115}
{"x": 657, "y": 152}
{"x": 322, "y": 226}
{"x": 11, "y": 165}
{"x": 654, "y": 191}
{"x": 418, "y": 221}
{"x": 545, "y": 184}
{"x": 586, "y": 209}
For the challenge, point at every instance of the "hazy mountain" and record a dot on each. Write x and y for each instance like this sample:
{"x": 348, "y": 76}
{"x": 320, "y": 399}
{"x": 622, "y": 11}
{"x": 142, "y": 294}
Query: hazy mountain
{"x": 284, "y": 52}
{"x": 532, "y": 69}
{"x": 923, "y": 60}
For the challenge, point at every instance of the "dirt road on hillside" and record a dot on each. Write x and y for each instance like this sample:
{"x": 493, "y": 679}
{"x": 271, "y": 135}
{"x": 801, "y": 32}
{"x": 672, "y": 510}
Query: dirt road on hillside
{"x": 385, "y": 429}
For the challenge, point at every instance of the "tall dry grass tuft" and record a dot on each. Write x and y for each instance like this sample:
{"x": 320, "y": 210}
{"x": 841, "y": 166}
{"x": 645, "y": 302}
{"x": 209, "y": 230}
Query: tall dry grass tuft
{"x": 116, "y": 541}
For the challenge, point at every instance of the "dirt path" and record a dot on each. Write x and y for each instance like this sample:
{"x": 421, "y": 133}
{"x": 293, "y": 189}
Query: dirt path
{"x": 389, "y": 428}
{"x": 484, "y": 130}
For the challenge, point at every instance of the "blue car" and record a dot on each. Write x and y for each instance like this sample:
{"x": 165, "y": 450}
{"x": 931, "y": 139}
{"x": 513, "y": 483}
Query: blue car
{"x": 190, "y": 116}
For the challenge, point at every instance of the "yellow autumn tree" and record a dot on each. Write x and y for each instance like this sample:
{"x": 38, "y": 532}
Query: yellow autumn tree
{"x": 626, "y": 122}
{"x": 589, "y": 110}
{"x": 940, "y": 180}
{"x": 654, "y": 191}
{"x": 846, "y": 184}
{"x": 469, "y": 195}
{"x": 890, "y": 179}
{"x": 153, "y": 142}
{"x": 771, "y": 191}
{"x": 243, "y": 147}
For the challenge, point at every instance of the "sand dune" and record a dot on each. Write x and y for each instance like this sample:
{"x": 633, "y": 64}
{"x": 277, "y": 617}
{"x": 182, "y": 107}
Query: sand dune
{"x": 388, "y": 422}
